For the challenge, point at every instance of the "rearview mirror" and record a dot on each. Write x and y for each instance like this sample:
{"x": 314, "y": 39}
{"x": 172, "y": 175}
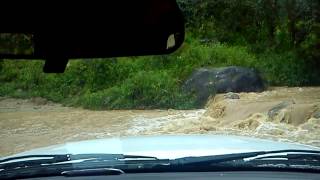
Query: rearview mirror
{"x": 112, "y": 29}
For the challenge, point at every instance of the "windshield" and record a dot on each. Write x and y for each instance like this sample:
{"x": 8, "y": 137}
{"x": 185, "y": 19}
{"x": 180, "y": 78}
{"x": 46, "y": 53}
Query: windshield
{"x": 246, "y": 77}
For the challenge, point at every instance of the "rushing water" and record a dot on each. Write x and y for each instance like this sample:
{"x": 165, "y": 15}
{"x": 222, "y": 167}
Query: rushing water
{"x": 33, "y": 123}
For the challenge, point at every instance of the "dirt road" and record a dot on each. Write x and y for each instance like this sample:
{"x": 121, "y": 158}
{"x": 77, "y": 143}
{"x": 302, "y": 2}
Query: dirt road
{"x": 283, "y": 114}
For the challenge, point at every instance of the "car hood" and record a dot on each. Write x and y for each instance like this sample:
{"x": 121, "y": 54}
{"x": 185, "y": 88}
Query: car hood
{"x": 168, "y": 146}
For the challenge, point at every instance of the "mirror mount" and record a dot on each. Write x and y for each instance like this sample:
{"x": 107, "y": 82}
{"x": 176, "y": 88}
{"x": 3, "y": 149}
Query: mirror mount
{"x": 55, "y": 66}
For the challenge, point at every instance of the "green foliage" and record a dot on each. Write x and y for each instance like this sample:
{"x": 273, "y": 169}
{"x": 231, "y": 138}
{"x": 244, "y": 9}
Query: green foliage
{"x": 280, "y": 39}
{"x": 284, "y": 69}
{"x": 209, "y": 55}
{"x": 144, "y": 82}
{"x": 153, "y": 89}
{"x": 15, "y": 43}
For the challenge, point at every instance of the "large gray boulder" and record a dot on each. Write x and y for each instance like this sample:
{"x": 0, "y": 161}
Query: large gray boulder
{"x": 205, "y": 82}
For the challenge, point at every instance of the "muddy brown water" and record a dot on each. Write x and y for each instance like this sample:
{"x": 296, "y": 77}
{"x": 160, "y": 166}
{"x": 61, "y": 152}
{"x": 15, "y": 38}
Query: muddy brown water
{"x": 32, "y": 123}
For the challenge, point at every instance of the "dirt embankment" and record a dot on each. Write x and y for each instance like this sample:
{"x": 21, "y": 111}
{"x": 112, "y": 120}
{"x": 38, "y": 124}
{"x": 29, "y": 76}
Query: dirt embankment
{"x": 283, "y": 114}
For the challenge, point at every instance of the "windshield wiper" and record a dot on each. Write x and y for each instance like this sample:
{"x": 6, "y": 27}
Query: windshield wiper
{"x": 74, "y": 165}
{"x": 93, "y": 172}
{"x": 32, "y": 160}
{"x": 38, "y": 160}
{"x": 108, "y": 164}
{"x": 311, "y": 156}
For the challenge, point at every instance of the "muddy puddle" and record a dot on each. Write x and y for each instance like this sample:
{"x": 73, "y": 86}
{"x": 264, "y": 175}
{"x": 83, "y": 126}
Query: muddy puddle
{"x": 282, "y": 114}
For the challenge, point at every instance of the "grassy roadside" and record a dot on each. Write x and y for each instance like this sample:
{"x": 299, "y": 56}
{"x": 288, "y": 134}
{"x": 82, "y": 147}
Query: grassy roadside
{"x": 145, "y": 82}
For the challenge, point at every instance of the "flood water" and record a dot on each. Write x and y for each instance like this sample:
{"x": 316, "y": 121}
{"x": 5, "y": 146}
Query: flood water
{"x": 32, "y": 123}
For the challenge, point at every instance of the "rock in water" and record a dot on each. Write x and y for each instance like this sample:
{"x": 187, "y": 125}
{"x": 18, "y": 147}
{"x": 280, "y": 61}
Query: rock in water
{"x": 276, "y": 110}
{"x": 205, "y": 82}
{"x": 231, "y": 95}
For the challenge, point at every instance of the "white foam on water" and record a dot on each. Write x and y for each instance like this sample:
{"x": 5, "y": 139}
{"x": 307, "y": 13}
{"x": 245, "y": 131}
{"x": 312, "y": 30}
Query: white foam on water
{"x": 141, "y": 124}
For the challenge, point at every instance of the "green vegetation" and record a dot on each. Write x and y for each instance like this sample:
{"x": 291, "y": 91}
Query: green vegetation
{"x": 279, "y": 38}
